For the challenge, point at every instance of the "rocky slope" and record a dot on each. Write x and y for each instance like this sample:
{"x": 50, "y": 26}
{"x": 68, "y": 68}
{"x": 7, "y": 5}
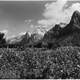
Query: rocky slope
{"x": 25, "y": 40}
{"x": 17, "y": 38}
{"x": 32, "y": 40}
{"x": 56, "y": 37}
{"x": 68, "y": 35}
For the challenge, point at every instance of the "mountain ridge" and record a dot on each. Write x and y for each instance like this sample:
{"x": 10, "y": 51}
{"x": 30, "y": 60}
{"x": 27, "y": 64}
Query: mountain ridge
{"x": 58, "y": 36}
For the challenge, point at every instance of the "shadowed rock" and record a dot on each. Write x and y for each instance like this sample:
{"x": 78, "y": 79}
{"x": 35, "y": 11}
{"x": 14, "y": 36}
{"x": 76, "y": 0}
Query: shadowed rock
{"x": 68, "y": 35}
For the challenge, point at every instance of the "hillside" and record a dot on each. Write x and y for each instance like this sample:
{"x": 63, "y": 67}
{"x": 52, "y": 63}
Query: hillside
{"x": 56, "y": 37}
{"x": 68, "y": 35}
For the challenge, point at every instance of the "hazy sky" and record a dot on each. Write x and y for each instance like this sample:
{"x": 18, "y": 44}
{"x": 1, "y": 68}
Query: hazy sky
{"x": 20, "y": 16}
{"x": 16, "y": 17}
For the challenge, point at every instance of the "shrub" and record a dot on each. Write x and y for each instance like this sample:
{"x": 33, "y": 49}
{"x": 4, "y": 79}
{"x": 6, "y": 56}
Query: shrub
{"x": 33, "y": 63}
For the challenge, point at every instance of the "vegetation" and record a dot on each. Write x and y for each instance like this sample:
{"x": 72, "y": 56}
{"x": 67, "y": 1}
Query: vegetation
{"x": 55, "y": 56}
{"x": 2, "y": 39}
{"x": 61, "y": 63}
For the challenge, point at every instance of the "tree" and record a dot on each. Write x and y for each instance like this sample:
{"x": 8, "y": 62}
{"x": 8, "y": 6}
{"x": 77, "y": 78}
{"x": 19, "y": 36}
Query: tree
{"x": 2, "y": 39}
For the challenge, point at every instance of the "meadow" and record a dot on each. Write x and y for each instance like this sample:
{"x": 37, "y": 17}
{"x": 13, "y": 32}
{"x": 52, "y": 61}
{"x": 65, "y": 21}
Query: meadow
{"x": 35, "y": 63}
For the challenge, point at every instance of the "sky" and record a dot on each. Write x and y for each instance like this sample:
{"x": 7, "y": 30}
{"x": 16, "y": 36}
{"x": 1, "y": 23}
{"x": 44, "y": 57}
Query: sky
{"x": 18, "y": 17}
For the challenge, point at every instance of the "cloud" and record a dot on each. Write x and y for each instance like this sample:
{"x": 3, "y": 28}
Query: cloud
{"x": 28, "y": 21}
{"x": 22, "y": 33}
{"x": 56, "y": 13}
{"x": 53, "y": 8}
{"x": 39, "y": 31}
{"x": 18, "y": 35}
{"x": 4, "y": 31}
{"x": 53, "y": 12}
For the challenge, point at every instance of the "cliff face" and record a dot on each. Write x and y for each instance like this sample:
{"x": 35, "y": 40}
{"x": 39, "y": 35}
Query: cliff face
{"x": 31, "y": 40}
{"x": 69, "y": 35}
{"x": 17, "y": 38}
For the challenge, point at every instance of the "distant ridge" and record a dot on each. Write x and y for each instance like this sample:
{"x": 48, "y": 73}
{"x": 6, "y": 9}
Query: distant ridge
{"x": 56, "y": 37}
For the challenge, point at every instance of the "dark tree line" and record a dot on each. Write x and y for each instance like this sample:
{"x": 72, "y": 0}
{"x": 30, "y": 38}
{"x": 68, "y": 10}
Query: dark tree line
{"x": 2, "y": 39}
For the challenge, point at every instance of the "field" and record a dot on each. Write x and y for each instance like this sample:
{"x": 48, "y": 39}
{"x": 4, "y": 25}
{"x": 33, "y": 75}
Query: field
{"x": 61, "y": 63}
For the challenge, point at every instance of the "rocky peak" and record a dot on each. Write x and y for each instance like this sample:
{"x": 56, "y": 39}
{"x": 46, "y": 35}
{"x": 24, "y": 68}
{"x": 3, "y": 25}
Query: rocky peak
{"x": 68, "y": 35}
{"x": 75, "y": 20}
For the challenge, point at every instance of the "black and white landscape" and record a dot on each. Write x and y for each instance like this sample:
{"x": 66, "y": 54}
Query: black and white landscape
{"x": 40, "y": 39}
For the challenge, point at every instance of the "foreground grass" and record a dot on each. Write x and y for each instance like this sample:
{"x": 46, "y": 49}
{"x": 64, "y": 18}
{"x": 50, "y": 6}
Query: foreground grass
{"x": 62, "y": 63}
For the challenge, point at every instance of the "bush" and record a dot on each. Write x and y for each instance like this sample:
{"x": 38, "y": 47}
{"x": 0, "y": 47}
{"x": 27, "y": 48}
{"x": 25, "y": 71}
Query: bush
{"x": 33, "y": 63}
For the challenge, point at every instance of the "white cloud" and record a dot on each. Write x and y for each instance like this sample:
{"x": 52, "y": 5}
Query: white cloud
{"x": 18, "y": 35}
{"x": 53, "y": 8}
{"x": 56, "y": 13}
{"x": 4, "y": 31}
{"x": 22, "y": 33}
{"x": 53, "y": 12}
{"x": 28, "y": 21}
{"x": 39, "y": 31}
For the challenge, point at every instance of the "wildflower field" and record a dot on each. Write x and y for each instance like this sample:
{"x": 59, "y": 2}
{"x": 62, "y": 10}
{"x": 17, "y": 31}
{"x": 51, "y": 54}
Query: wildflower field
{"x": 33, "y": 63}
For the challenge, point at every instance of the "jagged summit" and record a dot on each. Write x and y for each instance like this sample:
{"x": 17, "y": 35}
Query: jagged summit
{"x": 55, "y": 30}
{"x": 75, "y": 20}
{"x": 18, "y": 38}
{"x": 74, "y": 24}
{"x": 76, "y": 13}
{"x": 68, "y": 35}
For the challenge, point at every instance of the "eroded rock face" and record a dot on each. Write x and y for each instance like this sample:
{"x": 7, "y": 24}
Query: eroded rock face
{"x": 54, "y": 32}
{"x": 75, "y": 20}
{"x": 18, "y": 38}
{"x": 69, "y": 35}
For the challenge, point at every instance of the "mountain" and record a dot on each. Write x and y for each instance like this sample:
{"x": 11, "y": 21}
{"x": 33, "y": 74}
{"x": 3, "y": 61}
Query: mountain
{"x": 26, "y": 40}
{"x": 64, "y": 36}
{"x": 30, "y": 41}
{"x": 60, "y": 35}
{"x": 18, "y": 38}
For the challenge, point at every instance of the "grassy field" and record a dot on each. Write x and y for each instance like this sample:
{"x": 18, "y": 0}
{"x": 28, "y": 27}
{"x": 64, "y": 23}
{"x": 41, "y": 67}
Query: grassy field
{"x": 62, "y": 63}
